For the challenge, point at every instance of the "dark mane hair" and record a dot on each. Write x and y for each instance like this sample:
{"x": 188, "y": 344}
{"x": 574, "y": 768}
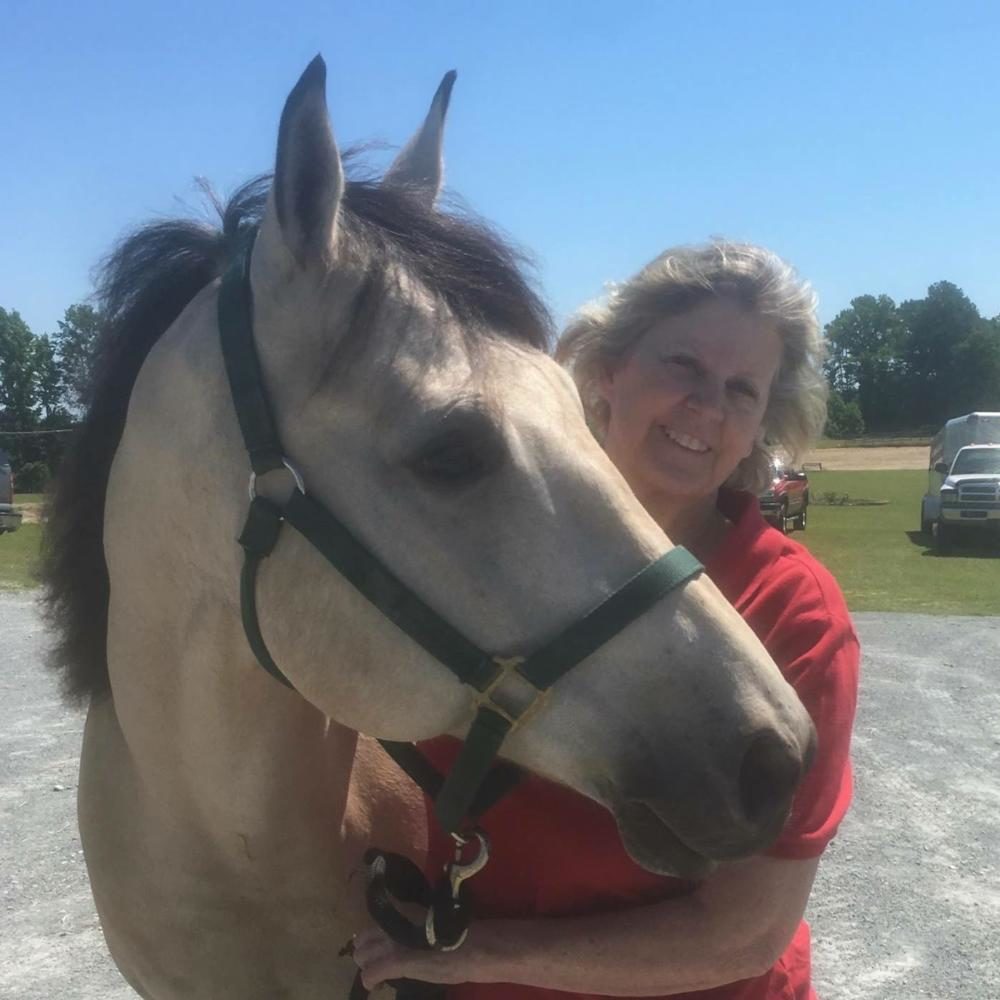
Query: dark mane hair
{"x": 143, "y": 286}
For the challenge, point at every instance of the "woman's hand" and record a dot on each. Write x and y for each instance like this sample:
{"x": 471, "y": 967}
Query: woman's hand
{"x": 733, "y": 927}
{"x": 380, "y": 958}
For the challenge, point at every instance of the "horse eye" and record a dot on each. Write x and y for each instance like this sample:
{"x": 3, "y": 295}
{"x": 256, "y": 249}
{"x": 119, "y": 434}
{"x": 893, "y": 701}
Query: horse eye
{"x": 456, "y": 458}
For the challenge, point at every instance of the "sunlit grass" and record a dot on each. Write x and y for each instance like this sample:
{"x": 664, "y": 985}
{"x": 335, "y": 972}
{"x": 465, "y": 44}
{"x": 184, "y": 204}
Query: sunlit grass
{"x": 19, "y": 556}
{"x": 877, "y": 554}
{"x": 882, "y": 561}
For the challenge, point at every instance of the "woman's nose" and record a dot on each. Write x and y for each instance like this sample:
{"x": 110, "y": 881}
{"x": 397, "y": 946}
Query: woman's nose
{"x": 707, "y": 398}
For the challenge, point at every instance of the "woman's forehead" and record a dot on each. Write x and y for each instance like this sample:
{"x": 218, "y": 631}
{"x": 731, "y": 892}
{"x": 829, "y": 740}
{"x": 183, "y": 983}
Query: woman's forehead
{"x": 719, "y": 331}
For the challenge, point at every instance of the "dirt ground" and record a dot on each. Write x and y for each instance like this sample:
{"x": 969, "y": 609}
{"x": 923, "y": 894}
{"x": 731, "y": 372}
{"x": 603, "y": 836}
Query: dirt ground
{"x": 851, "y": 459}
{"x": 32, "y": 512}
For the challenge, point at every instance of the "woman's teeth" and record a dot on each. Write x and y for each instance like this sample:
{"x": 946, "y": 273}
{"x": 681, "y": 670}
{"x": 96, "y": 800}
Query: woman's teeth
{"x": 686, "y": 441}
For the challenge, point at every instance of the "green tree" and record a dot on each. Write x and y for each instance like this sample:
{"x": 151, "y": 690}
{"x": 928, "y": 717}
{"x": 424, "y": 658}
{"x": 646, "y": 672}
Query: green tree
{"x": 32, "y": 394}
{"x": 76, "y": 342}
{"x": 976, "y": 365}
{"x": 49, "y": 387}
{"x": 865, "y": 344}
{"x": 18, "y": 373}
{"x": 935, "y": 362}
{"x": 843, "y": 419}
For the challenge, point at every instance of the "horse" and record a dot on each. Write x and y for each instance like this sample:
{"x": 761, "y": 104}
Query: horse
{"x": 403, "y": 354}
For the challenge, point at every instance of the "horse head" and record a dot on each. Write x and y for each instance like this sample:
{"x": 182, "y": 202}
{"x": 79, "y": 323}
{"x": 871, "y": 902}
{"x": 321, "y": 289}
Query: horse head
{"x": 402, "y": 358}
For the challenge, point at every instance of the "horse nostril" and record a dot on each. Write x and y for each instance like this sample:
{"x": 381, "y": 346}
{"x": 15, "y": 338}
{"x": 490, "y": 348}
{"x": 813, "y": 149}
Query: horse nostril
{"x": 769, "y": 775}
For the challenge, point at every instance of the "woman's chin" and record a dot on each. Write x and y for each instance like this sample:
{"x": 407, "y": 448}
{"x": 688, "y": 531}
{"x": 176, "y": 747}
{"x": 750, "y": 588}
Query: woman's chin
{"x": 678, "y": 476}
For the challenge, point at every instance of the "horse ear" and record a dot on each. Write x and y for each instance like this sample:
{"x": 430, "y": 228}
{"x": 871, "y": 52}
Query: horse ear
{"x": 420, "y": 164}
{"x": 308, "y": 175}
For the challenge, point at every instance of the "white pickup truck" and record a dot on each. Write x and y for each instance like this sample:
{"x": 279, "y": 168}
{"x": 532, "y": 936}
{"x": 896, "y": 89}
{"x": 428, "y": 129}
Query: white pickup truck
{"x": 963, "y": 491}
{"x": 10, "y": 518}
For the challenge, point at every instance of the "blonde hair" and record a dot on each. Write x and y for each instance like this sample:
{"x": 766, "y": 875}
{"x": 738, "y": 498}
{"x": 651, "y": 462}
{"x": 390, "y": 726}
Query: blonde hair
{"x": 682, "y": 278}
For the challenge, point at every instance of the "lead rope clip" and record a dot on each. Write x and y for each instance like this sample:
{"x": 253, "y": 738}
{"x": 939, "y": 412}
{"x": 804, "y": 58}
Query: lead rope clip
{"x": 448, "y": 910}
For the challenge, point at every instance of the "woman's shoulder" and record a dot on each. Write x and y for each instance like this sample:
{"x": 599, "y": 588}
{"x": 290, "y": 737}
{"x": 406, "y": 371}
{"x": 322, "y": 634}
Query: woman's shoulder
{"x": 798, "y": 575}
{"x": 766, "y": 573}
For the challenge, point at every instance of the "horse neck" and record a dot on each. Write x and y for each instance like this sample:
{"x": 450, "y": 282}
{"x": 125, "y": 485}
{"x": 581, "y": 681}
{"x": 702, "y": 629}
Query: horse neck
{"x": 189, "y": 695}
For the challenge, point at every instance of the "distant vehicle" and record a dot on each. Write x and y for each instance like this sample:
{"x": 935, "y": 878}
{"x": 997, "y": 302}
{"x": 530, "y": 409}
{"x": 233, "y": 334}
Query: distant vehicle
{"x": 963, "y": 489}
{"x": 10, "y": 519}
{"x": 786, "y": 500}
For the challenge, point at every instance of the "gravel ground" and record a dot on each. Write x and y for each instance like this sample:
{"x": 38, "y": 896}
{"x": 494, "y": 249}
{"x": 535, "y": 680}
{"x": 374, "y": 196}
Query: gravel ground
{"x": 907, "y": 903}
{"x": 50, "y": 940}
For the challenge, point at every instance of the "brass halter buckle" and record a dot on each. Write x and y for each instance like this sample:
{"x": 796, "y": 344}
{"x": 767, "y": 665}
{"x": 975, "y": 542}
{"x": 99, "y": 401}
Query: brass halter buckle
{"x": 510, "y": 694}
{"x": 456, "y": 873}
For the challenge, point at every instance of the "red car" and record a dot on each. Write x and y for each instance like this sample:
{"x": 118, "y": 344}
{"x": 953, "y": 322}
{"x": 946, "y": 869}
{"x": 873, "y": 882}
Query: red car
{"x": 786, "y": 500}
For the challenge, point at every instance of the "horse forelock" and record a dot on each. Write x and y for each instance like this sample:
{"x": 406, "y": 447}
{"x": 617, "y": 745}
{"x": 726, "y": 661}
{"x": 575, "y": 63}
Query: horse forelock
{"x": 455, "y": 257}
{"x": 461, "y": 263}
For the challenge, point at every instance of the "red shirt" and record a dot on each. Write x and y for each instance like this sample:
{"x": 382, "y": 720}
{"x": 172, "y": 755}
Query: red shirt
{"x": 557, "y": 853}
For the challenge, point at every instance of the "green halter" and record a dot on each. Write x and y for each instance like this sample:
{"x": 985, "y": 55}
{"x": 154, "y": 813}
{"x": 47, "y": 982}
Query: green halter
{"x": 507, "y": 691}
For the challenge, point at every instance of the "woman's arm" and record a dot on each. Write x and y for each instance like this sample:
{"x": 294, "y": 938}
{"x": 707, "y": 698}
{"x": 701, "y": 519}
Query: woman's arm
{"x": 734, "y": 926}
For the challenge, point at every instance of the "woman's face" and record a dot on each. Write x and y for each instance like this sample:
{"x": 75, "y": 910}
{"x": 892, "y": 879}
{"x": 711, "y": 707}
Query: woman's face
{"x": 686, "y": 403}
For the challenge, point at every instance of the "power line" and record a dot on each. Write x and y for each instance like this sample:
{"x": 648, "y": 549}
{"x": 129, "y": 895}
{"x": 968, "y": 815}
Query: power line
{"x": 63, "y": 430}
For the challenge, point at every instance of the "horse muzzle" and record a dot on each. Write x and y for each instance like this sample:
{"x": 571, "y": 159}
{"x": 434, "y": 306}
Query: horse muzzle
{"x": 685, "y": 823}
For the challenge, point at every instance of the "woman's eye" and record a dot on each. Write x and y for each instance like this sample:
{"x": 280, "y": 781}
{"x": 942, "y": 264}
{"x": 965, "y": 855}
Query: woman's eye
{"x": 681, "y": 361}
{"x": 744, "y": 389}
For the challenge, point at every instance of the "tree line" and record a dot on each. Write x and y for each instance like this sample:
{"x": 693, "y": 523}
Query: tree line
{"x": 891, "y": 368}
{"x": 44, "y": 380}
{"x": 910, "y": 367}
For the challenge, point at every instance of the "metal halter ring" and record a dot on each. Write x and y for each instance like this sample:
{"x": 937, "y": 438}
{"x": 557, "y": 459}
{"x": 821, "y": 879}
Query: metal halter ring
{"x": 296, "y": 475}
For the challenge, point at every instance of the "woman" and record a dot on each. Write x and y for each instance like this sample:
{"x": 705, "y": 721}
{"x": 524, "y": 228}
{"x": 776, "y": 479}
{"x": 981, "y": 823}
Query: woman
{"x": 691, "y": 375}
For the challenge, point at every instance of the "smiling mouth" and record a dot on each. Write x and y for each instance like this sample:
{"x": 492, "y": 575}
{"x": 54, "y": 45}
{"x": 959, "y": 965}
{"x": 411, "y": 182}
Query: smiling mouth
{"x": 686, "y": 441}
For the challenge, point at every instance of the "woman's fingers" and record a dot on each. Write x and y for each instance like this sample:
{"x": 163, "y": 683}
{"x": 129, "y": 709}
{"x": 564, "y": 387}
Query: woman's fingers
{"x": 370, "y": 939}
{"x": 379, "y": 958}
{"x": 373, "y": 954}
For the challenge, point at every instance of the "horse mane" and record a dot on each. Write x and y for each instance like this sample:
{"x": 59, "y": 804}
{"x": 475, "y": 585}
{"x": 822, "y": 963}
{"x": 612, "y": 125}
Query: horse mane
{"x": 143, "y": 286}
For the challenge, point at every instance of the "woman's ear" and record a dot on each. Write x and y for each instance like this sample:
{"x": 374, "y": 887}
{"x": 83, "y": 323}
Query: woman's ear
{"x": 606, "y": 375}
{"x": 759, "y": 440}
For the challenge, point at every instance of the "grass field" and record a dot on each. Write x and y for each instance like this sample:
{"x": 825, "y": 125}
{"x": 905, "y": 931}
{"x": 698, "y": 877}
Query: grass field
{"x": 881, "y": 560}
{"x": 878, "y": 556}
{"x": 19, "y": 549}
{"x": 19, "y": 556}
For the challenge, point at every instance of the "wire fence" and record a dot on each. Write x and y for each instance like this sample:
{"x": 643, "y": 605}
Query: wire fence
{"x": 61, "y": 430}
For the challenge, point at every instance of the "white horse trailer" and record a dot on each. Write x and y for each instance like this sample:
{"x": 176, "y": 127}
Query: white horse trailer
{"x": 963, "y": 487}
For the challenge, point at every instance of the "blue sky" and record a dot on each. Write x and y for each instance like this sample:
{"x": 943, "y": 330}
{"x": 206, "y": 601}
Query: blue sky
{"x": 859, "y": 140}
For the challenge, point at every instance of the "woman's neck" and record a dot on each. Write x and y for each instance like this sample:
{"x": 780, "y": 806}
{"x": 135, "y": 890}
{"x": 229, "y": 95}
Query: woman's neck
{"x": 696, "y": 523}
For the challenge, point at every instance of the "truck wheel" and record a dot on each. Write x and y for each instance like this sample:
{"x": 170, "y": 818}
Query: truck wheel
{"x": 926, "y": 526}
{"x": 943, "y": 536}
{"x": 801, "y": 517}
{"x": 783, "y": 518}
